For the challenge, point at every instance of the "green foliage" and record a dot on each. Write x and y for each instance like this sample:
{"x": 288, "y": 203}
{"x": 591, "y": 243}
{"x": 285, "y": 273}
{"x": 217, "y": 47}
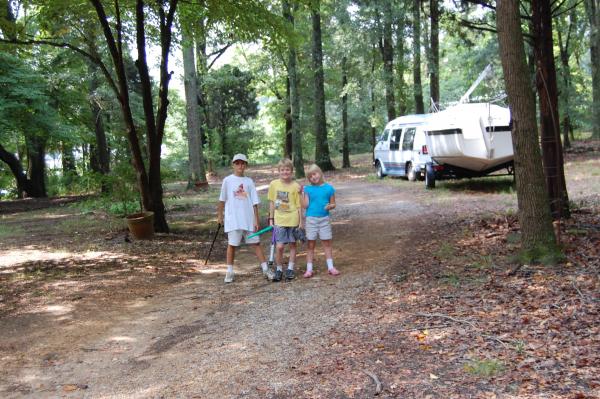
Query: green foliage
{"x": 484, "y": 367}
{"x": 543, "y": 254}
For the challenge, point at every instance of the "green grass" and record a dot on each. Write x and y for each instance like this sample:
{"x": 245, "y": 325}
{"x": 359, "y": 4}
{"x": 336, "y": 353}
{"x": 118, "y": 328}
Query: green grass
{"x": 483, "y": 262}
{"x": 484, "y": 367}
{"x": 10, "y": 231}
{"x": 491, "y": 185}
{"x": 445, "y": 251}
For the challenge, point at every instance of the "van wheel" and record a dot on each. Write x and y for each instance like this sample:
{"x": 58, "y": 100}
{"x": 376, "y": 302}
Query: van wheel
{"x": 411, "y": 174}
{"x": 379, "y": 171}
{"x": 429, "y": 176}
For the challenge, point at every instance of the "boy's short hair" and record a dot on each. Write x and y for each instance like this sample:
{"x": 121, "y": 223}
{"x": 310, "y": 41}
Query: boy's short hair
{"x": 285, "y": 163}
{"x": 314, "y": 168}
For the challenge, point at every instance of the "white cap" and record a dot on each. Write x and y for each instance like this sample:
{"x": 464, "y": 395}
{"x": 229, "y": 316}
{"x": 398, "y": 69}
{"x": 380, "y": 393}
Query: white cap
{"x": 239, "y": 157}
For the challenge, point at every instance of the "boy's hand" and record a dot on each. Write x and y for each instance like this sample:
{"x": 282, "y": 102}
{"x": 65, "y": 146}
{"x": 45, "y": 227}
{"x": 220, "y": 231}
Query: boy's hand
{"x": 220, "y": 219}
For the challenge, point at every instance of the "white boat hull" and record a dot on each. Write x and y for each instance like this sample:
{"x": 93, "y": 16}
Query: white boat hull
{"x": 475, "y": 137}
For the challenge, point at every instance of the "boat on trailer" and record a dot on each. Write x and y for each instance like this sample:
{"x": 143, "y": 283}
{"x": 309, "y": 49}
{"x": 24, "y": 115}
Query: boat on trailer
{"x": 468, "y": 140}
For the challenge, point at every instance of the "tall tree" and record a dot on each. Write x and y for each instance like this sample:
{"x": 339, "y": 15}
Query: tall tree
{"x": 321, "y": 144}
{"x": 552, "y": 153}
{"x": 534, "y": 212}
{"x": 197, "y": 173}
{"x": 386, "y": 47}
{"x": 345, "y": 133}
{"x": 592, "y": 8}
{"x": 294, "y": 97}
{"x": 417, "y": 87}
{"x": 434, "y": 52}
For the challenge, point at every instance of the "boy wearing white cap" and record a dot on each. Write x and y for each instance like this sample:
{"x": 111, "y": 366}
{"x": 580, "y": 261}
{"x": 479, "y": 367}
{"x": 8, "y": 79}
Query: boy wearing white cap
{"x": 238, "y": 208}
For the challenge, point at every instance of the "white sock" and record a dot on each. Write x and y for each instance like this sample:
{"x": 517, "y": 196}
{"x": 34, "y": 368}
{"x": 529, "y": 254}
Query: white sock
{"x": 229, "y": 268}
{"x": 309, "y": 267}
{"x": 291, "y": 266}
{"x": 329, "y": 264}
{"x": 264, "y": 266}
{"x": 280, "y": 268}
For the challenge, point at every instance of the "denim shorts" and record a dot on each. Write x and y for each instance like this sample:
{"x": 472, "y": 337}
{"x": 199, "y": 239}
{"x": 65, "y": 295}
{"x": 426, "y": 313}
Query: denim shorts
{"x": 284, "y": 235}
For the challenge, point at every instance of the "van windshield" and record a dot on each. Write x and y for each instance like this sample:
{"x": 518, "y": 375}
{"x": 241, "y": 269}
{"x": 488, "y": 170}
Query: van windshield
{"x": 384, "y": 135}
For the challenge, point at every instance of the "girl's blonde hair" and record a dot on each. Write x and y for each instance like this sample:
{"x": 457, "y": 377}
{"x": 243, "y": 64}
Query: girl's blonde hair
{"x": 315, "y": 169}
{"x": 285, "y": 163}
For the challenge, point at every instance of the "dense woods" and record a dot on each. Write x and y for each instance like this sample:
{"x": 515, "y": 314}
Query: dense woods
{"x": 119, "y": 98}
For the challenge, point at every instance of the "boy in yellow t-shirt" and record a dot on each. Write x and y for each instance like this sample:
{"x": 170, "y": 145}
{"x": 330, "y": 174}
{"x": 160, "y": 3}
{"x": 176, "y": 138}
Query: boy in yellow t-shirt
{"x": 285, "y": 216}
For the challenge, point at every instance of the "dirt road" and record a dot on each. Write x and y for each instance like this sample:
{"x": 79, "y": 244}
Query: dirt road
{"x": 201, "y": 338}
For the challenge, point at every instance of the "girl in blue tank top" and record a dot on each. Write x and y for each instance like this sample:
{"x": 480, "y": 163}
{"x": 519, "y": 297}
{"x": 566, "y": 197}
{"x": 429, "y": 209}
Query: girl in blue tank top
{"x": 318, "y": 199}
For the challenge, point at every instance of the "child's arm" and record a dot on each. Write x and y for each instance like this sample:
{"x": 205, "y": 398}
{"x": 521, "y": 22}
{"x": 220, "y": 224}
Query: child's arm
{"x": 220, "y": 209}
{"x": 331, "y": 204}
{"x": 256, "y": 219}
{"x": 271, "y": 213}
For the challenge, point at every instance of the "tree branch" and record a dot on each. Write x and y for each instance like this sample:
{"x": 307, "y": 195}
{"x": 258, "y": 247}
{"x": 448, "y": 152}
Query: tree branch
{"x": 91, "y": 57}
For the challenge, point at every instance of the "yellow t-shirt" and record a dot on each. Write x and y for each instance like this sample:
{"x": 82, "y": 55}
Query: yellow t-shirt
{"x": 287, "y": 202}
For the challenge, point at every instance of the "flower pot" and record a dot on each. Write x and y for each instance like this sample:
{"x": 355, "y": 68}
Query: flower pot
{"x": 141, "y": 225}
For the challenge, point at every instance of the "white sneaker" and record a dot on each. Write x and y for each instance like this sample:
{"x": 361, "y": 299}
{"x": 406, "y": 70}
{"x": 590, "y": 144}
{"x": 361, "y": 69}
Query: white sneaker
{"x": 268, "y": 274}
{"x": 229, "y": 277}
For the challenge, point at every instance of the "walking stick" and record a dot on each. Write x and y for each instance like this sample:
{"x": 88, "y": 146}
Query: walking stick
{"x": 213, "y": 243}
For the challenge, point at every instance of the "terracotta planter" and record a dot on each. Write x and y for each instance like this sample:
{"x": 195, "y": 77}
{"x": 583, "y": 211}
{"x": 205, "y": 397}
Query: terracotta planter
{"x": 141, "y": 225}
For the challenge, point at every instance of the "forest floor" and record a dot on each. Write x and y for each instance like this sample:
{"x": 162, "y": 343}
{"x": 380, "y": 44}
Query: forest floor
{"x": 430, "y": 302}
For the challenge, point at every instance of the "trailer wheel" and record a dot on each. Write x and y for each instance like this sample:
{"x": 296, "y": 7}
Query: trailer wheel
{"x": 379, "y": 170}
{"x": 411, "y": 174}
{"x": 429, "y": 176}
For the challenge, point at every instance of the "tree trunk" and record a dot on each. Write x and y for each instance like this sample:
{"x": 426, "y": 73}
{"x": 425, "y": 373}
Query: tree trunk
{"x": 36, "y": 169}
{"x": 592, "y": 8}
{"x": 552, "y": 155}
{"x": 434, "y": 53}
{"x": 196, "y": 172}
{"x": 345, "y": 132}
{"x": 24, "y": 184}
{"x": 534, "y": 211}
{"x": 67, "y": 158}
{"x": 294, "y": 99}
{"x": 387, "y": 54}
{"x": 321, "y": 144}
{"x": 373, "y": 108}
{"x": 288, "y": 142}
{"x": 149, "y": 181}
{"x": 400, "y": 65}
{"x": 418, "y": 89}
{"x": 565, "y": 70}
{"x": 99, "y": 153}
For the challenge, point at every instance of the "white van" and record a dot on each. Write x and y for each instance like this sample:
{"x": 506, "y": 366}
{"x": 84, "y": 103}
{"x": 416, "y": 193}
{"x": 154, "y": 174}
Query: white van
{"x": 402, "y": 149}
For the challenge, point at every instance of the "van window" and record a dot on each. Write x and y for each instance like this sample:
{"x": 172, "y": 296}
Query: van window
{"x": 384, "y": 135}
{"x": 409, "y": 137}
{"x": 395, "y": 139}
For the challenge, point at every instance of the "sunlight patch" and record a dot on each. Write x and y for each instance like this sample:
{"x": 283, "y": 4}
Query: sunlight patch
{"x": 58, "y": 310}
{"x": 17, "y": 257}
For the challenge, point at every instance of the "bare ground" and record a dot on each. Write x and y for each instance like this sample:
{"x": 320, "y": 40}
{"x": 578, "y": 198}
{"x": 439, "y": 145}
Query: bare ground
{"x": 426, "y": 305}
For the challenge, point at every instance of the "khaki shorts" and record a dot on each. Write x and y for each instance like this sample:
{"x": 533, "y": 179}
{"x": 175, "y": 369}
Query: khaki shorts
{"x": 234, "y": 238}
{"x": 318, "y": 228}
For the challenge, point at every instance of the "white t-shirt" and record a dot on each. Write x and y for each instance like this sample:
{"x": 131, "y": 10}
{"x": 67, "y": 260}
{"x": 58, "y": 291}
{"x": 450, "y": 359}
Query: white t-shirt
{"x": 240, "y": 196}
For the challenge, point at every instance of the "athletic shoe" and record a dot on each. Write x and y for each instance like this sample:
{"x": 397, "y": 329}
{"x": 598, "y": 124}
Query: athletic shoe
{"x": 278, "y": 275}
{"x": 229, "y": 277}
{"x": 269, "y": 275}
{"x": 333, "y": 271}
{"x": 289, "y": 274}
{"x": 308, "y": 274}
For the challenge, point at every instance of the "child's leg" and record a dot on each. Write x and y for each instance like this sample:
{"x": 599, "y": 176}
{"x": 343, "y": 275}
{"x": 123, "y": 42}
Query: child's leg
{"x": 259, "y": 253}
{"x": 230, "y": 254}
{"x": 310, "y": 255}
{"x": 279, "y": 255}
{"x": 292, "y": 260}
{"x": 328, "y": 249}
